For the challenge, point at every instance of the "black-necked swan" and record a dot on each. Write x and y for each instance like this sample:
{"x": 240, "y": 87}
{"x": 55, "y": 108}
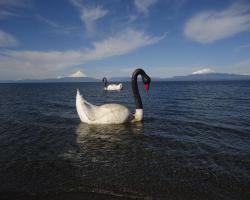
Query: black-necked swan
{"x": 113, "y": 113}
{"x": 111, "y": 86}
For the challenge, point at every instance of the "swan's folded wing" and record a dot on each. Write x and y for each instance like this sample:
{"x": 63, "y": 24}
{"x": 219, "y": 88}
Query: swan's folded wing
{"x": 89, "y": 110}
{"x": 107, "y": 113}
{"x": 112, "y": 112}
{"x": 102, "y": 113}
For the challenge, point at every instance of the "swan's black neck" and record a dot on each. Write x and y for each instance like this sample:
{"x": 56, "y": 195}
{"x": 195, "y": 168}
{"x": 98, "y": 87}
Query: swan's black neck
{"x": 135, "y": 89}
{"x": 104, "y": 80}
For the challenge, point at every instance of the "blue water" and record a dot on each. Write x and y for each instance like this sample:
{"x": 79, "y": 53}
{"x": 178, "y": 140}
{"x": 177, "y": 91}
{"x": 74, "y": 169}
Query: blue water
{"x": 193, "y": 144}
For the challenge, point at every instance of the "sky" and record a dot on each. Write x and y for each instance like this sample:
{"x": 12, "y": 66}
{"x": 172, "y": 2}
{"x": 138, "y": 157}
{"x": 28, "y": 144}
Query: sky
{"x": 56, "y": 38}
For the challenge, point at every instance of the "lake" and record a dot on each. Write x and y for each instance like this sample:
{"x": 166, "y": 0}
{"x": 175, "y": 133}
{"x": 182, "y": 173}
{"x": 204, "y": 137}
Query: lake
{"x": 194, "y": 143}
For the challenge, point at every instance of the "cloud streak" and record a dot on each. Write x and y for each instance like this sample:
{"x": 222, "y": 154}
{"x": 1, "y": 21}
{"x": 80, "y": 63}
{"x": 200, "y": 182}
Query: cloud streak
{"x": 209, "y": 26}
{"x": 40, "y": 64}
{"x": 144, "y": 5}
{"x": 10, "y": 7}
{"x": 47, "y": 21}
{"x": 7, "y": 40}
{"x": 242, "y": 47}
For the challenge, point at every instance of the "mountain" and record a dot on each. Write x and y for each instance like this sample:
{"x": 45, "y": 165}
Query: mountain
{"x": 191, "y": 77}
{"x": 209, "y": 77}
{"x": 128, "y": 79}
{"x": 77, "y": 76}
{"x": 7, "y": 81}
{"x": 120, "y": 79}
{"x": 60, "y": 80}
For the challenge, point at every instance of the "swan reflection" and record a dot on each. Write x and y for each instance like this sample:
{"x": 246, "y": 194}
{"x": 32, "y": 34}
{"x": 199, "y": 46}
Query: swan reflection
{"x": 115, "y": 132}
{"x": 93, "y": 141}
{"x": 107, "y": 143}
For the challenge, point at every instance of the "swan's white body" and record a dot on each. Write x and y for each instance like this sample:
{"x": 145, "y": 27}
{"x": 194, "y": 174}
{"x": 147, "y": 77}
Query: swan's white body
{"x": 113, "y": 87}
{"x": 104, "y": 114}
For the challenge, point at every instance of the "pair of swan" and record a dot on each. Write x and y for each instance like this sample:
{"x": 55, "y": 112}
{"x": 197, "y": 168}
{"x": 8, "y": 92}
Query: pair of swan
{"x": 113, "y": 113}
{"x": 111, "y": 86}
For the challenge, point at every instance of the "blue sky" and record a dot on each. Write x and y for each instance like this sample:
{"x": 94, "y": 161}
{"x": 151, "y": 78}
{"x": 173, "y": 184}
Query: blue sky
{"x": 52, "y": 38}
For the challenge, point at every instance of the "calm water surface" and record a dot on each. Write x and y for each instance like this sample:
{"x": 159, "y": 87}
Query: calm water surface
{"x": 193, "y": 144}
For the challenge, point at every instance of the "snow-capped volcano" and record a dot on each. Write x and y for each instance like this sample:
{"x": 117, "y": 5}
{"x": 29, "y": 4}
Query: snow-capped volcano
{"x": 77, "y": 74}
{"x": 203, "y": 71}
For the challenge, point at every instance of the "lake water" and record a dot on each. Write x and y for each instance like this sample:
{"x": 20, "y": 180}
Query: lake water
{"x": 193, "y": 144}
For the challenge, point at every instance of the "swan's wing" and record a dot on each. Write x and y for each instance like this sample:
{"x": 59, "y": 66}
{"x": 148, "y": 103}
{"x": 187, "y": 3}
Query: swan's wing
{"x": 89, "y": 110}
{"x": 112, "y": 113}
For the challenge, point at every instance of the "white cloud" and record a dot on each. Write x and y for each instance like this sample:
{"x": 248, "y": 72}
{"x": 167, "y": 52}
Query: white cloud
{"x": 203, "y": 71}
{"x": 36, "y": 64}
{"x": 122, "y": 43}
{"x": 7, "y": 40}
{"x": 209, "y": 26}
{"x": 39, "y": 64}
{"x": 144, "y": 5}
{"x": 89, "y": 15}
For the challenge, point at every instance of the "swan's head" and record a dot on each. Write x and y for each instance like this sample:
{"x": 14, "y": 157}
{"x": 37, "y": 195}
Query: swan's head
{"x": 104, "y": 79}
{"x": 146, "y": 80}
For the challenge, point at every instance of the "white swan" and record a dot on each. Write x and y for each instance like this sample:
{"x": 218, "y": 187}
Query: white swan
{"x": 111, "y": 86}
{"x": 113, "y": 113}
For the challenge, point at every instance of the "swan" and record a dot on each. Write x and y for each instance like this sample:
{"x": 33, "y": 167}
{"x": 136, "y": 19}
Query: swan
{"x": 113, "y": 113}
{"x": 111, "y": 86}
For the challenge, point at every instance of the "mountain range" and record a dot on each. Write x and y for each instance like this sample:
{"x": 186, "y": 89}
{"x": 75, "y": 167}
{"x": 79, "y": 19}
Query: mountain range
{"x": 55, "y": 80}
{"x": 191, "y": 77}
{"x": 210, "y": 77}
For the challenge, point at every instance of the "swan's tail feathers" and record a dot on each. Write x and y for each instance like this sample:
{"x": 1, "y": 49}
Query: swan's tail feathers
{"x": 79, "y": 96}
{"x": 85, "y": 110}
{"x": 78, "y": 92}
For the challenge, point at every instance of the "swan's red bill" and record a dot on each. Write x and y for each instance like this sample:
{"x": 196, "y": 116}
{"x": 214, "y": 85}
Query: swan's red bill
{"x": 146, "y": 85}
